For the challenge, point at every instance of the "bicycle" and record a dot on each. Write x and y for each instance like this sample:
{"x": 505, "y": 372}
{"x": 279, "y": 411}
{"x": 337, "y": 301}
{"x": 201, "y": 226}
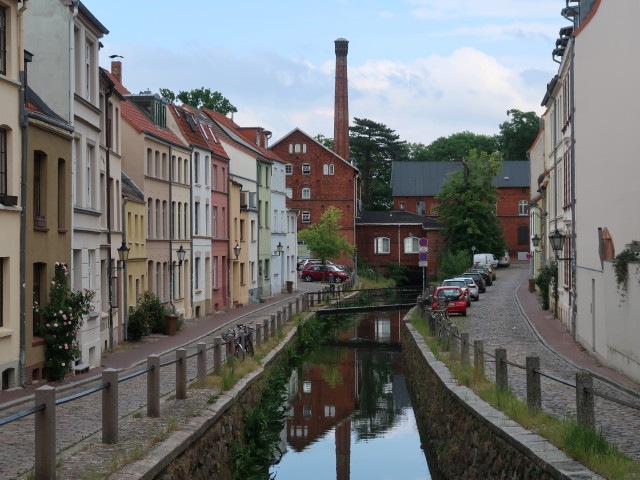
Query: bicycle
{"x": 238, "y": 349}
{"x": 248, "y": 342}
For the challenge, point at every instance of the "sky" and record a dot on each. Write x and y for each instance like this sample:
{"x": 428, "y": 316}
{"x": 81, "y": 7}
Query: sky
{"x": 424, "y": 68}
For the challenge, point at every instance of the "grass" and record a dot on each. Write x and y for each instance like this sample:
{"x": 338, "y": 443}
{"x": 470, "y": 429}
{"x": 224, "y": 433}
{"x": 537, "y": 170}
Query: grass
{"x": 587, "y": 446}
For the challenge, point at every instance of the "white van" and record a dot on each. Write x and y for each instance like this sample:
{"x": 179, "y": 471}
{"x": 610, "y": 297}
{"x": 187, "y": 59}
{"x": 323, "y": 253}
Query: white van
{"x": 488, "y": 258}
{"x": 505, "y": 260}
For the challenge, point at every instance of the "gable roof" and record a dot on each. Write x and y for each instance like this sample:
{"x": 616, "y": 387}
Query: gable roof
{"x": 130, "y": 189}
{"x": 317, "y": 143}
{"x": 196, "y": 129}
{"x": 411, "y": 179}
{"x": 138, "y": 120}
{"x": 398, "y": 217}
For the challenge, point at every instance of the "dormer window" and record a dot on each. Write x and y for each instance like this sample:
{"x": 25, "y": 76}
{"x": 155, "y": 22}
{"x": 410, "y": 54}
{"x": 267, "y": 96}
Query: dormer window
{"x": 152, "y": 106}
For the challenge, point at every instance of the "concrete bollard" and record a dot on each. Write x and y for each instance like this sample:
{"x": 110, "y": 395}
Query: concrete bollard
{"x": 201, "y": 366}
{"x": 285, "y": 317}
{"x": 585, "y": 404}
{"x": 272, "y": 326}
{"x": 455, "y": 345}
{"x": 534, "y": 389}
{"x": 110, "y": 406}
{"x": 279, "y": 320}
{"x": 289, "y": 311}
{"x": 45, "y": 433}
{"x": 181, "y": 373}
{"x": 502, "y": 378}
{"x": 464, "y": 348}
{"x": 153, "y": 386}
{"x": 310, "y": 298}
{"x": 297, "y": 304}
{"x": 265, "y": 330}
{"x": 258, "y": 335}
{"x": 478, "y": 357}
{"x": 217, "y": 354}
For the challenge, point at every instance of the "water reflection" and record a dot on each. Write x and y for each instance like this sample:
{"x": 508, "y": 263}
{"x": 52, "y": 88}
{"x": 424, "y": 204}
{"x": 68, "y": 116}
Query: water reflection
{"x": 349, "y": 412}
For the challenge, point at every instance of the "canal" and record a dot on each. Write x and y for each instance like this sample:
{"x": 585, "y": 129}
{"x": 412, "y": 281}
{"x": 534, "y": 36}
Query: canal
{"x": 349, "y": 414}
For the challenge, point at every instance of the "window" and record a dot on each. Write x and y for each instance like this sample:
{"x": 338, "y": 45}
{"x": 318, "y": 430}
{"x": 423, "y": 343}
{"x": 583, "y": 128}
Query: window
{"x": 214, "y": 272}
{"x": 306, "y": 193}
{"x": 3, "y": 40}
{"x": 266, "y": 269}
{"x": 196, "y": 212}
{"x": 207, "y": 165}
{"x": 306, "y": 169}
{"x": 158, "y": 225}
{"x": 328, "y": 169}
{"x": 196, "y": 275}
{"x": 411, "y": 245}
{"x": 196, "y": 167}
{"x": 288, "y": 169}
{"x": 156, "y": 172}
{"x": 381, "y": 245}
{"x": 3, "y": 152}
{"x": 214, "y": 222}
{"x": 39, "y": 271}
{"x": 523, "y": 235}
{"x": 297, "y": 148}
{"x": 421, "y": 208}
{"x": 39, "y": 192}
{"x": 149, "y": 230}
{"x": 2, "y": 291}
{"x": 523, "y": 207}
{"x": 306, "y": 217}
{"x": 331, "y": 169}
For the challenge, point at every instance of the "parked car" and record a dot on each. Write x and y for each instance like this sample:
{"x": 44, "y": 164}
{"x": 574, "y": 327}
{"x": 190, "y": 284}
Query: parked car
{"x": 477, "y": 277}
{"x": 505, "y": 260}
{"x": 485, "y": 275}
{"x": 474, "y": 289}
{"x": 453, "y": 297}
{"x": 316, "y": 261}
{"x": 459, "y": 282}
{"x": 327, "y": 274}
{"x": 488, "y": 267}
{"x": 485, "y": 258}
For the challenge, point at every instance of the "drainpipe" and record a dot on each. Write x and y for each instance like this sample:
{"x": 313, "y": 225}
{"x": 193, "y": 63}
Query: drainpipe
{"x": 572, "y": 167}
{"x": 22, "y": 358}
{"x": 171, "y": 231}
{"x": 107, "y": 96}
{"x": 125, "y": 290}
{"x": 193, "y": 208}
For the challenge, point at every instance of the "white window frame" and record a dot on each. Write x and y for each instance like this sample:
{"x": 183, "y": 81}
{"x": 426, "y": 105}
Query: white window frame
{"x": 331, "y": 169}
{"x": 288, "y": 169}
{"x": 411, "y": 245}
{"x": 523, "y": 208}
{"x": 306, "y": 217}
{"x": 306, "y": 193}
{"x": 382, "y": 246}
{"x": 306, "y": 169}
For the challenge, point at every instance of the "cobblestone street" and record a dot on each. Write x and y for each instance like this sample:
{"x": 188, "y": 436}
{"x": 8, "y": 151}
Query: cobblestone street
{"x": 497, "y": 319}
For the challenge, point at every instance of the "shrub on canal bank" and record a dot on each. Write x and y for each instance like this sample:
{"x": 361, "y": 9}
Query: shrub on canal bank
{"x": 587, "y": 446}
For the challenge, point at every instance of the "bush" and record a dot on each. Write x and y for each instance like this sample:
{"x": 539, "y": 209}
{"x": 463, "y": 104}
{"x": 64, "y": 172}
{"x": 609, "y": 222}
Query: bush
{"x": 147, "y": 317}
{"x": 453, "y": 264}
{"x": 545, "y": 281}
{"x": 138, "y": 325}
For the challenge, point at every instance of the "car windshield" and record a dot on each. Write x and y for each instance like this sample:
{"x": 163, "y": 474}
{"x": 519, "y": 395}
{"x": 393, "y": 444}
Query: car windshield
{"x": 460, "y": 283}
{"x": 448, "y": 293}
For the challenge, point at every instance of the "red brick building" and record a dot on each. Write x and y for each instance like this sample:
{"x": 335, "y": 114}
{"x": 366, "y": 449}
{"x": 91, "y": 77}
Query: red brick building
{"x": 318, "y": 178}
{"x": 416, "y": 184}
{"x": 385, "y": 237}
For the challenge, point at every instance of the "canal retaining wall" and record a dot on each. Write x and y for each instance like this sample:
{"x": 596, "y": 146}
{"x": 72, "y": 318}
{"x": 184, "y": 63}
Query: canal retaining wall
{"x": 469, "y": 438}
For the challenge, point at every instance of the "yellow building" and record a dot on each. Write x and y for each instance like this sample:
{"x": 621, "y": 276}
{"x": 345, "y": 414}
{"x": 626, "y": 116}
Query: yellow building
{"x": 239, "y": 248}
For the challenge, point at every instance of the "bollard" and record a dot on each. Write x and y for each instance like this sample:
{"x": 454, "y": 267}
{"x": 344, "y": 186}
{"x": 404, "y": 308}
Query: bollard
{"x": 297, "y": 304}
{"x": 272, "y": 329}
{"x": 319, "y": 297}
{"x": 464, "y": 358}
{"x": 217, "y": 354}
{"x": 181, "y": 373}
{"x": 534, "y": 389}
{"x": 265, "y": 330}
{"x": 310, "y": 300}
{"x": 502, "y": 380}
{"x": 585, "y": 400}
{"x": 258, "y": 335}
{"x": 110, "y": 406}
{"x": 478, "y": 357}
{"x": 455, "y": 345}
{"x": 201, "y": 366}
{"x": 153, "y": 386}
{"x": 279, "y": 320}
{"x": 45, "y": 433}
{"x": 289, "y": 312}
{"x": 284, "y": 316}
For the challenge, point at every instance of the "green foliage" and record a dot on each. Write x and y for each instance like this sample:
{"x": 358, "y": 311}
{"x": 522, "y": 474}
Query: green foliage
{"x": 146, "y": 317}
{"x": 518, "y": 134}
{"x": 397, "y": 273}
{"x": 326, "y": 141}
{"x": 373, "y": 148}
{"x": 201, "y": 97}
{"x": 545, "y": 281}
{"x": 324, "y": 238}
{"x": 621, "y": 265}
{"x": 451, "y": 148}
{"x": 467, "y": 202}
{"x": 453, "y": 264}
{"x": 62, "y": 318}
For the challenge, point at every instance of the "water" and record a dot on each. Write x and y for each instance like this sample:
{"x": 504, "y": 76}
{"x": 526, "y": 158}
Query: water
{"x": 349, "y": 414}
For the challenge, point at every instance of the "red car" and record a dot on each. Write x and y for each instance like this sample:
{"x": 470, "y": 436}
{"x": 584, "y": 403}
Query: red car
{"x": 328, "y": 273}
{"x": 455, "y": 298}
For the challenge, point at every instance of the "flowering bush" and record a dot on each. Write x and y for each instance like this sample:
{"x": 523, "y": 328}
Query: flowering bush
{"x": 62, "y": 319}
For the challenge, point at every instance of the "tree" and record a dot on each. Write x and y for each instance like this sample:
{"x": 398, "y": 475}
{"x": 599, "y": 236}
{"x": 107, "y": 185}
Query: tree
{"x": 454, "y": 147}
{"x": 201, "y": 97}
{"x": 374, "y": 147}
{"x": 324, "y": 238}
{"x": 326, "y": 141}
{"x": 518, "y": 134}
{"x": 467, "y": 204}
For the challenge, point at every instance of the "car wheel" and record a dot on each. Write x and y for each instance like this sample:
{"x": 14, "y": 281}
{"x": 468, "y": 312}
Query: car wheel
{"x": 337, "y": 279}
{"x": 308, "y": 278}
{"x": 464, "y": 314}
{"x": 477, "y": 298}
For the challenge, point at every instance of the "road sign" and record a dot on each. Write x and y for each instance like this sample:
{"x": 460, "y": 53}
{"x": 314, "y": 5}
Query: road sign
{"x": 423, "y": 264}
{"x": 423, "y": 249}
{"x": 423, "y": 257}
{"x": 423, "y": 242}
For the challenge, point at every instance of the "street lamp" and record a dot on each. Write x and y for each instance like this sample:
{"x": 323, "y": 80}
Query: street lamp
{"x": 172, "y": 265}
{"x": 123, "y": 252}
{"x": 236, "y": 250}
{"x": 181, "y": 253}
{"x": 279, "y": 248}
{"x": 535, "y": 241}
{"x": 557, "y": 242}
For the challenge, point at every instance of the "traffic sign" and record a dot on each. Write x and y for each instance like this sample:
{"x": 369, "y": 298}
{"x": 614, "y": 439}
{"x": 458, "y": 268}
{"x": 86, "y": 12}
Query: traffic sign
{"x": 423, "y": 242}
{"x": 423, "y": 257}
{"x": 423, "y": 249}
{"x": 423, "y": 264}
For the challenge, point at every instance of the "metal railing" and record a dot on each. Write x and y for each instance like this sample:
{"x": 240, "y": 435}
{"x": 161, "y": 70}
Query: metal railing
{"x": 46, "y": 402}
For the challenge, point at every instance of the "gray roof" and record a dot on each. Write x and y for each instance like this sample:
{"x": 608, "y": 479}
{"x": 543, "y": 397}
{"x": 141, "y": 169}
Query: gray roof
{"x": 130, "y": 189}
{"x": 426, "y": 178}
{"x": 397, "y": 217}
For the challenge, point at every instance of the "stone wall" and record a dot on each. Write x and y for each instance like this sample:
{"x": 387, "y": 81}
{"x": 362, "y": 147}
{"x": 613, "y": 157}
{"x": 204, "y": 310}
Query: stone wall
{"x": 467, "y": 437}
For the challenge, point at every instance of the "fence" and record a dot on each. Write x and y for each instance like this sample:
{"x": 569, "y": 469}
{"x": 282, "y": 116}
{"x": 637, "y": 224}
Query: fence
{"x": 460, "y": 346}
{"x": 44, "y": 410}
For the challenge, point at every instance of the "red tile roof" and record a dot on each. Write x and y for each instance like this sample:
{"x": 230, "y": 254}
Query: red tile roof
{"x": 188, "y": 120}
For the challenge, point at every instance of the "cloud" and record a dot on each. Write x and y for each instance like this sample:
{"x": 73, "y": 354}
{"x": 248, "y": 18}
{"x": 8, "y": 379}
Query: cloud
{"x": 522, "y": 31}
{"x": 458, "y": 9}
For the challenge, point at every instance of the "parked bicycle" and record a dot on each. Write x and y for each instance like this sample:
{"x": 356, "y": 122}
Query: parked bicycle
{"x": 238, "y": 349}
{"x": 247, "y": 336}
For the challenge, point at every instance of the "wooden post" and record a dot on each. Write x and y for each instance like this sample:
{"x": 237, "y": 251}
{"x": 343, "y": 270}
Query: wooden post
{"x": 585, "y": 400}
{"x": 201, "y": 366}
{"x": 464, "y": 359}
{"x": 502, "y": 379}
{"x": 181, "y": 373}
{"x": 478, "y": 357}
{"x": 153, "y": 386}
{"x": 110, "y": 406}
{"x": 534, "y": 389}
{"x": 45, "y": 433}
{"x": 217, "y": 354}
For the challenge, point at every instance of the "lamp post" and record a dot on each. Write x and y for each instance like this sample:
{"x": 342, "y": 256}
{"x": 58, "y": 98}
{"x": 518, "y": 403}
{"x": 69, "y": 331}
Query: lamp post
{"x": 557, "y": 243}
{"x": 279, "y": 248}
{"x": 181, "y": 252}
{"x": 123, "y": 255}
{"x": 535, "y": 241}
{"x": 236, "y": 250}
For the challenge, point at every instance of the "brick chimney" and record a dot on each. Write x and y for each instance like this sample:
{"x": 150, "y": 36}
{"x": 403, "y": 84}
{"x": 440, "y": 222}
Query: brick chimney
{"x": 341, "y": 110}
{"x": 116, "y": 70}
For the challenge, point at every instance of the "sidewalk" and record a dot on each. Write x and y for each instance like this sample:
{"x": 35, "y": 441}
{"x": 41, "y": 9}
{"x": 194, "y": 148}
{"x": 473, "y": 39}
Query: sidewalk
{"x": 554, "y": 335}
{"x": 131, "y": 354}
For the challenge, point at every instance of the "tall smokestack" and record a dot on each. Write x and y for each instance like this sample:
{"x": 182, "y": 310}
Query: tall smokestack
{"x": 341, "y": 111}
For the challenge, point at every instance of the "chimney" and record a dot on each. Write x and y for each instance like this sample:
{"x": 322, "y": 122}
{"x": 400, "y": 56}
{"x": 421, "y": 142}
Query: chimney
{"x": 116, "y": 70}
{"x": 341, "y": 110}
